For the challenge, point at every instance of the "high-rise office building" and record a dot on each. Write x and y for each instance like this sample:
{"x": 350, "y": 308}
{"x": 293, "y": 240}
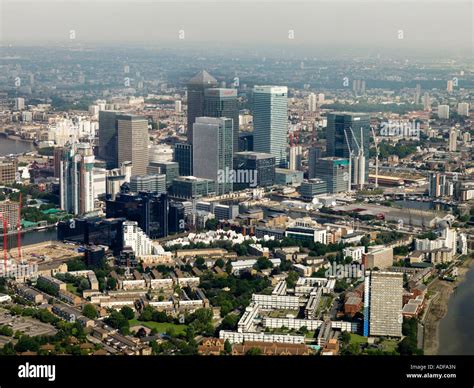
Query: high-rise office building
{"x": 176, "y": 217}
{"x": 153, "y": 183}
{"x": 315, "y": 152}
{"x": 132, "y": 144}
{"x": 219, "y": 102}
{"x": 195, "y": 92}
{"x": 170, "y": 169}
{"x": 312, "y": 187}
{"x": 93, "y": 231}
{"x": 270, "y": 121}
{"x": 352, "y": 128}
{"x": 246, "y": 141}
{"x": 108, "y": 138}
{"x": 190, "y": 187}
{"x": 183, "y": 155}
{"x": 383, "y": 304}
{"x": 77, "y": 179}
{"x": 253, "y": 169}
{"x": 115, "y": 178}
{"x": 212, "y": 151}
{"x": 295, "y": 157}
{"x": 150, "y": 210}
{"x": 57, "y": 155}
{"x": 335, "y": 172}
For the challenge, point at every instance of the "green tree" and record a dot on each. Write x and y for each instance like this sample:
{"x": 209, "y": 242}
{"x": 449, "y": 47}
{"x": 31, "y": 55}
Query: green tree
{"x": 111, "y": 283}
{"x": 263, "y": 263}
{"x": 200, "y": 263}
{"x": 230, "y": 322}
{"x": 345, "y": 338}
{"x": 118, "y": 321}
{"x": 212, "y": 224}
{"x": 7, "y": 331}
{"x": 227, "y": 347}
{"x": 147, "y": 314}
{"x": 90, "y": 311}
{"x": 291, "y": 279}
{"x": 127, "y": 312}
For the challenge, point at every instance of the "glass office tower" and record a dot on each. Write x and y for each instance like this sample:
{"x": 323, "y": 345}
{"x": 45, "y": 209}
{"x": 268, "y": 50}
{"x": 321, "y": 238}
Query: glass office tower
{"x": 220, "y": 102}
{"x": 336, "y": 144}
{"x": 270, "y": 121}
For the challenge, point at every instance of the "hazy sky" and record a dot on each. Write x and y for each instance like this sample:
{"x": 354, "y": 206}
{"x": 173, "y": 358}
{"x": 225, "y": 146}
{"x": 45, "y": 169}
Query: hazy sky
{"x": 376, "y": 23}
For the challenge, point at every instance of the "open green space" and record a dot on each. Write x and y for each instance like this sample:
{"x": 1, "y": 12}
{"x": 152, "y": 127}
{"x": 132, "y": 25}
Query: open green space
{"x": 161, "y": 327}
{"x": 357, "y": 339}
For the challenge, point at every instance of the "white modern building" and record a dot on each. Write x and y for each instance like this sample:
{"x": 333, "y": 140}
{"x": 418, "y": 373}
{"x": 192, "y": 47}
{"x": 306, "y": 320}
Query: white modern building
{"x": 77, "y": 178}
{"x": 141, "y": 244}
{"x": 354, "y": 252}
{"x": 270, "y": 121}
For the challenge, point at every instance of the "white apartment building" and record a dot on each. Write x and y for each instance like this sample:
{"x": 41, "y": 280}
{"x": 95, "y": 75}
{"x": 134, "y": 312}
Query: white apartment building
{"x": 354, "y": 252}
{"x": 141, "y": 244}
{"x": 384, "y": 303}
{"x": 284, "y": 302}
{"x": 235, "y": 337}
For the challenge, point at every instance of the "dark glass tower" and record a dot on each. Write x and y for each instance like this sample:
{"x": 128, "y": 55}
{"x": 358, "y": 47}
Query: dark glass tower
{"x": 176, "y": 217}
{"x": 183, "y": 155}
{"x": 336, "y": 144}
{"x": 149, "y": 210}
{"x": 196, "y": 87}
{"x": 220, "y": 102}
{"x": 108, "y": 138}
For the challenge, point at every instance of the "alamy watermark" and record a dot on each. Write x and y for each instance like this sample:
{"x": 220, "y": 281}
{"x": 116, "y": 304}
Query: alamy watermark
{"x": 18, "y": 271}
{"x": 229, "y": 175}
{"x": 345, "y": 271}
{"x": 405, "y": 129}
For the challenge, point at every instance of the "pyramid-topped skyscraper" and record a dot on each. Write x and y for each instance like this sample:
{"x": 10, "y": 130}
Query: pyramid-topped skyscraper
{"x": 196, "y": 87}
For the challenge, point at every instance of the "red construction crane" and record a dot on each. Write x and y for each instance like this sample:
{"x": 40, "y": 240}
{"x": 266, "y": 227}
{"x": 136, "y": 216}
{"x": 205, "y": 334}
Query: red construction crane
{"x": 18, "y": 227}
{"x": 4, "y": 220}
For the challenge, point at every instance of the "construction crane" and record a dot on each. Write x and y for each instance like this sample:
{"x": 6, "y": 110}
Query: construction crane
{"x": 376, "y": 159}
{"x": 359, "y": 162}
{"x": 5, "y": 226}
{"x": 18, "y": 232}
{"x": 351, "y": 155}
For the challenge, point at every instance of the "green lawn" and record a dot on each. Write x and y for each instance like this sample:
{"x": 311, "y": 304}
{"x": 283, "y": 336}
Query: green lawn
{"x": 389, "y": 345}
{"x": 72, "y": 288}
{"x": 161, "y": 327}
{"x": 357, "y": 339}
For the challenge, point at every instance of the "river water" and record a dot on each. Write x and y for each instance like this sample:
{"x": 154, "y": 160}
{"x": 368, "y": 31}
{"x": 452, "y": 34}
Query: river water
{"x": 30, "y": 237}
{"x": 13, "y": 146}
{"x": 456, "y": 329}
